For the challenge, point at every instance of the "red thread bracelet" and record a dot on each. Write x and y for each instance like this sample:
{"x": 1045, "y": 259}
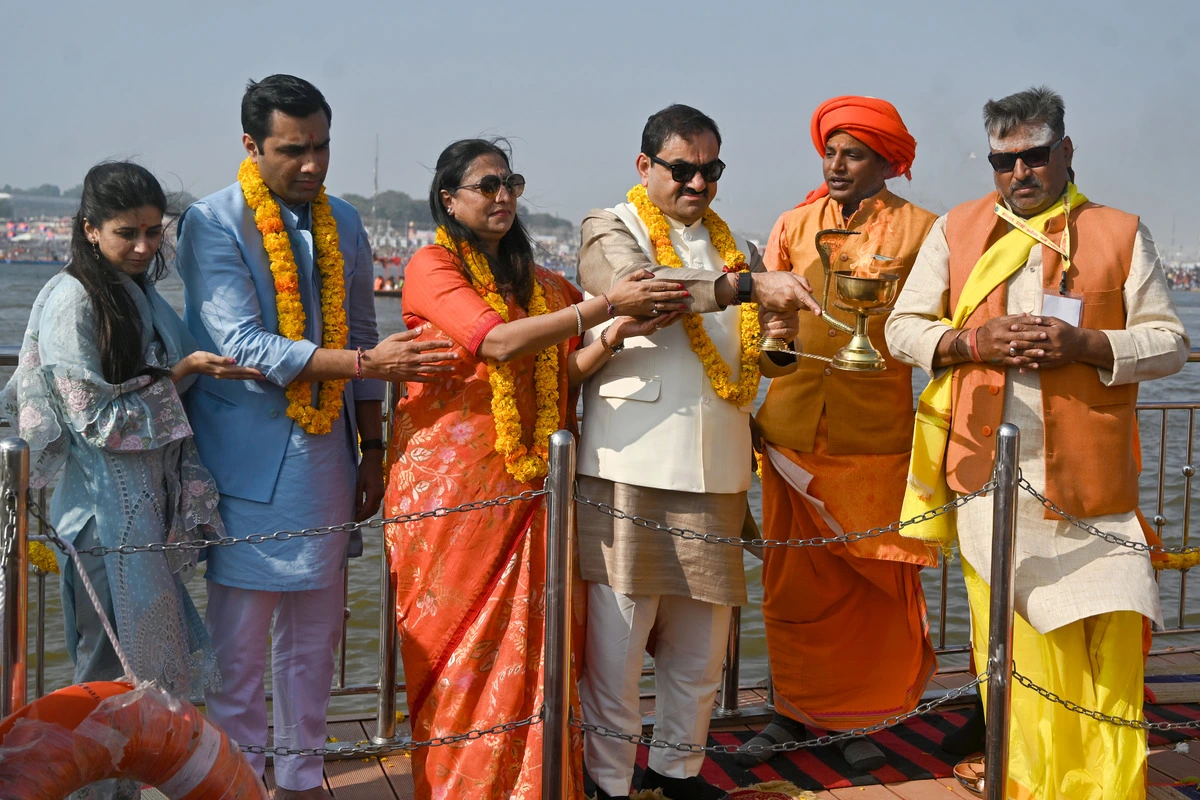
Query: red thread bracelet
{"x": 972, "y": 342}
{"x": 612, "y": 310}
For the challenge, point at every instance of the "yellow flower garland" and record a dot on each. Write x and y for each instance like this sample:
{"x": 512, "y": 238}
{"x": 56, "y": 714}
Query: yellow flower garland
{"x": 719, "y": 373}
{"x": 42, "y": 558}
{"x": 522, "y": 464}
{"x": 318, "y": 420}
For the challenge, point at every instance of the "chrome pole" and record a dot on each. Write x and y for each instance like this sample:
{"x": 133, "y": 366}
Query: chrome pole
{"x": 385, "y": 717}
{"x": 1000, "y": 620}
{"x": 560, "y": 527}
{"x": 729, "y": 679}
{"x": 14, "y": 531}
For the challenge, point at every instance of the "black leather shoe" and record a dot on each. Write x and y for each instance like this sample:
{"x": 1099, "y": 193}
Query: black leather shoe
{"x": 695, "y": 788}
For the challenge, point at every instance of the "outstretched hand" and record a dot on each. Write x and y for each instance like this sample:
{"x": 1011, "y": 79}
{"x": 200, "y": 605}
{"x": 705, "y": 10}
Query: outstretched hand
{"x": 784, "y": 292}
{"x": 214, "y": 366}
{"x": 399, "y": 358}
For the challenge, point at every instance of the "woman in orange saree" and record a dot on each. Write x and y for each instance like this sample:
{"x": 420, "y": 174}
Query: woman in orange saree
{"x": 471, "y": 586}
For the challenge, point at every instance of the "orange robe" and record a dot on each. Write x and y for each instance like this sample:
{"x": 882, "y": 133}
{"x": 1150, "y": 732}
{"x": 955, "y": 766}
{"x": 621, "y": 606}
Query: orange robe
{"x": 470, "y": 586}
{"x": 847, "y": 633}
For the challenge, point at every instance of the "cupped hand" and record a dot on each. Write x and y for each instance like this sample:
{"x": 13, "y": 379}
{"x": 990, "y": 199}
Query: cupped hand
{"x": 641, "y": 294}
{"x": 399, "y": 358}
{"x": 625, "y": 327}
{"x": 214, "y": 366}
{"x": 779, "y": 325}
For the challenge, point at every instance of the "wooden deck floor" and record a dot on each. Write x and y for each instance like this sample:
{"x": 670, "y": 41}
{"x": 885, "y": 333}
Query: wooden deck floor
{"x": 390, "y": 777}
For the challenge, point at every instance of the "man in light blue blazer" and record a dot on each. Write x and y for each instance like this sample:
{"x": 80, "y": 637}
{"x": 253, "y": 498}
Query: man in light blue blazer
{"x": 272, "y": 473}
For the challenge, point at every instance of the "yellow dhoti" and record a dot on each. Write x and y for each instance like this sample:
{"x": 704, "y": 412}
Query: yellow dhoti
{"x": 1096, "y": 663}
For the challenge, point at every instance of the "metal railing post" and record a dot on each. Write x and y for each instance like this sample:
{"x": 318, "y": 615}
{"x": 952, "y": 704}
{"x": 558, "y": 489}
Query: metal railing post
{"x": 1000, "y": 618}
{"x": 560, "y": 517}
{"x": 385, "y": 717}
{"x": 732, "y": 674}
{"x": 14, "y": 531}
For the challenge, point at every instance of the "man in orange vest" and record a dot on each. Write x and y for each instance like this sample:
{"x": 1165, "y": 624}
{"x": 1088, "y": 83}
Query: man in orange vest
{"x": 1057, "y": 308}
{"x": 846, "y": 627}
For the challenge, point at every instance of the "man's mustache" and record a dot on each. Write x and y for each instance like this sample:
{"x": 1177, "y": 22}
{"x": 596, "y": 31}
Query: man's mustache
{"x": 692, "y": 192}
{"x": 1031, "y": 182}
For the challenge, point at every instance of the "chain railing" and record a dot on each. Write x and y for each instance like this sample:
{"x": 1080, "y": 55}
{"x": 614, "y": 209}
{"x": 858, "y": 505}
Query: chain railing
{"x": 51, "y": 535}
{"x": 555, "y": 715}
{"x": 784, "y": 747}
{"x": 1107, "y": 536}
{"x": 688, "y": 534}
{"x": 382, "y": 748}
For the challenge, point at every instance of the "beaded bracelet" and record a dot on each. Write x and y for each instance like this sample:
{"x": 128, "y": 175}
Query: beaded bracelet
{"x": 578, "y": 320}
{"x": 358, "y": 363}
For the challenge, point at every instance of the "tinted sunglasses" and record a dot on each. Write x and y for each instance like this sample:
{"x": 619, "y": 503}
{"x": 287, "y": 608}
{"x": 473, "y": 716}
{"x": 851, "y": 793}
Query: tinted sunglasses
{"x": 1033, "y": 157}
{"x": 684, "y": 172}
{"x": 489, "y": 185}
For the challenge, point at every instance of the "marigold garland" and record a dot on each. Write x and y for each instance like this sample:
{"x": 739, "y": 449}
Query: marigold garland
{"x": 42, "y": 558}
{"x": 522, "y": 464}
{"x": 719, "y": 373}
{"x": 334, "y": 334}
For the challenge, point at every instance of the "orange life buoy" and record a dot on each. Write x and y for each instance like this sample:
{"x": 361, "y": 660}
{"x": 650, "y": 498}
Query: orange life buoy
{"x": 108, "y": 729}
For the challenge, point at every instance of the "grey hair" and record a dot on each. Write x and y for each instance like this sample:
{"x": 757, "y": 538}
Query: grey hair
{"x": 1039, "y": 104}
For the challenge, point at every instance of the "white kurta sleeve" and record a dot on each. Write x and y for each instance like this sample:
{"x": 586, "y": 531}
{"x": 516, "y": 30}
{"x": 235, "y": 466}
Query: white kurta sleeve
{"x": 1154, "y": 343}
{"x": 915, "y": 326}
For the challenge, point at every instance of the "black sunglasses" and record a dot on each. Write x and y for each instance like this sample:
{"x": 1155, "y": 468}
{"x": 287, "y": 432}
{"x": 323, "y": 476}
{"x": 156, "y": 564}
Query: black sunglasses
{"x": 489, "y": 185}
{"x": 1033, "y": 157}
{"x": 683, "y": 171}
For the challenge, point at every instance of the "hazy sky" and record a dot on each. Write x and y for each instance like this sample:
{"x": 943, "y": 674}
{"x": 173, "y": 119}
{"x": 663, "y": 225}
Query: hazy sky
{"x": 571, "y": 85}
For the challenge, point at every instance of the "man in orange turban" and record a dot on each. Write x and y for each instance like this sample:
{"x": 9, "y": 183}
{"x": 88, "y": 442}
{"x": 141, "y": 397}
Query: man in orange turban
{"x": 847, "y": 634}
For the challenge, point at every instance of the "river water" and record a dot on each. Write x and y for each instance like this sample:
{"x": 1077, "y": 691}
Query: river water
{"x": 19, "y": 284}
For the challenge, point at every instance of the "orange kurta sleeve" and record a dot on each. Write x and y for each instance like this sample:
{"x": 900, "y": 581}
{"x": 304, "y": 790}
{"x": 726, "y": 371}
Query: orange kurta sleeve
{"x": 437, "y": 291}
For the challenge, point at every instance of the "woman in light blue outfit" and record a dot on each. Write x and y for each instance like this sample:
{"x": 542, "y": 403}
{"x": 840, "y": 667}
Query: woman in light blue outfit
{"x": 96, "y": 394}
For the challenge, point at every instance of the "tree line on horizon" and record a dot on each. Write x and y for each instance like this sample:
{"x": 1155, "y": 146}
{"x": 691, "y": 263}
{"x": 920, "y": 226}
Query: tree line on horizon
{"x": 398, "y": 208}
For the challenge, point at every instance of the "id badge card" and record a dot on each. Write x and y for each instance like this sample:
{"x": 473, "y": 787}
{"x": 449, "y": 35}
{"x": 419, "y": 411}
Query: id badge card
{"x": 1067, "y": 307}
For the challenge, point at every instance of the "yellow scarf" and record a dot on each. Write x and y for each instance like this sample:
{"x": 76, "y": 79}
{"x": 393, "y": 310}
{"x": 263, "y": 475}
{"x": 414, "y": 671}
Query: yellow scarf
{"x": 927, "y": 487}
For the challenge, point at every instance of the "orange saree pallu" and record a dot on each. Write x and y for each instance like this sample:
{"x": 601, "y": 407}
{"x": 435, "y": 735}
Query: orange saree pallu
{"x": 471, "y": 586}
{"x": 846, "y": 623}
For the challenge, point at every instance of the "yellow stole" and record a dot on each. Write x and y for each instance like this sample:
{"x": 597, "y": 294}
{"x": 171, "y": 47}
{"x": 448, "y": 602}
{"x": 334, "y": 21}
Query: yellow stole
{"x": 927, "y": 487}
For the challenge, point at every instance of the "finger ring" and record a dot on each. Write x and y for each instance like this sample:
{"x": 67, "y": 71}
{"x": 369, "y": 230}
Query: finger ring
{"x": 1012, "y": 351}
{"x": 655, "y": 309}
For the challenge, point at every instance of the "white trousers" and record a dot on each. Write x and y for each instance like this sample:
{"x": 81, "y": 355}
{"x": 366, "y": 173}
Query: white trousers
{"x": 689, "y": 651}
{"x": 307, "y": 627}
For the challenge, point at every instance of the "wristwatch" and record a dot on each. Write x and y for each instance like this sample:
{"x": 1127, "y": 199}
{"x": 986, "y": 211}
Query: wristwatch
{"x": 745, "y": 285}
{"x": 370, "y": 444}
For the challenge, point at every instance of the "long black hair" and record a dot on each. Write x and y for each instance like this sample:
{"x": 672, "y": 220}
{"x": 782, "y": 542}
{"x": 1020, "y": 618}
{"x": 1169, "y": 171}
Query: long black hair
{"x": 109, "y": 189}
{"x": 513, "y": 266}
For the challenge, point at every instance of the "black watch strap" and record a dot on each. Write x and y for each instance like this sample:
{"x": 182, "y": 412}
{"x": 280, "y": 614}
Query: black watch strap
{"x": 370, "y": 444}
{"x": 745, "y": 285}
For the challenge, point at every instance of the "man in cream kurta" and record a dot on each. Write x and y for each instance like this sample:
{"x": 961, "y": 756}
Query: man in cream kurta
{"x": 659, "y": 443}
{"x": 1081, "y": 602}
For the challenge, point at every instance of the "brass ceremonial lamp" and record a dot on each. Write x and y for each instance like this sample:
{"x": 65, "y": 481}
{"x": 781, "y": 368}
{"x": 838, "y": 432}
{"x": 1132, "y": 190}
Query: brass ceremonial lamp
{"x": 861, "y": 295}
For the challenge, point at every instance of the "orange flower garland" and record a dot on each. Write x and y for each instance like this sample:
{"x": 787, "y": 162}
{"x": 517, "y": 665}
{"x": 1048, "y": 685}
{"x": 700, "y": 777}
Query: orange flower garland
{"x": 318, "y": 420}
{"x": 746, "y": 388}
{"x": 522, "y": 464}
